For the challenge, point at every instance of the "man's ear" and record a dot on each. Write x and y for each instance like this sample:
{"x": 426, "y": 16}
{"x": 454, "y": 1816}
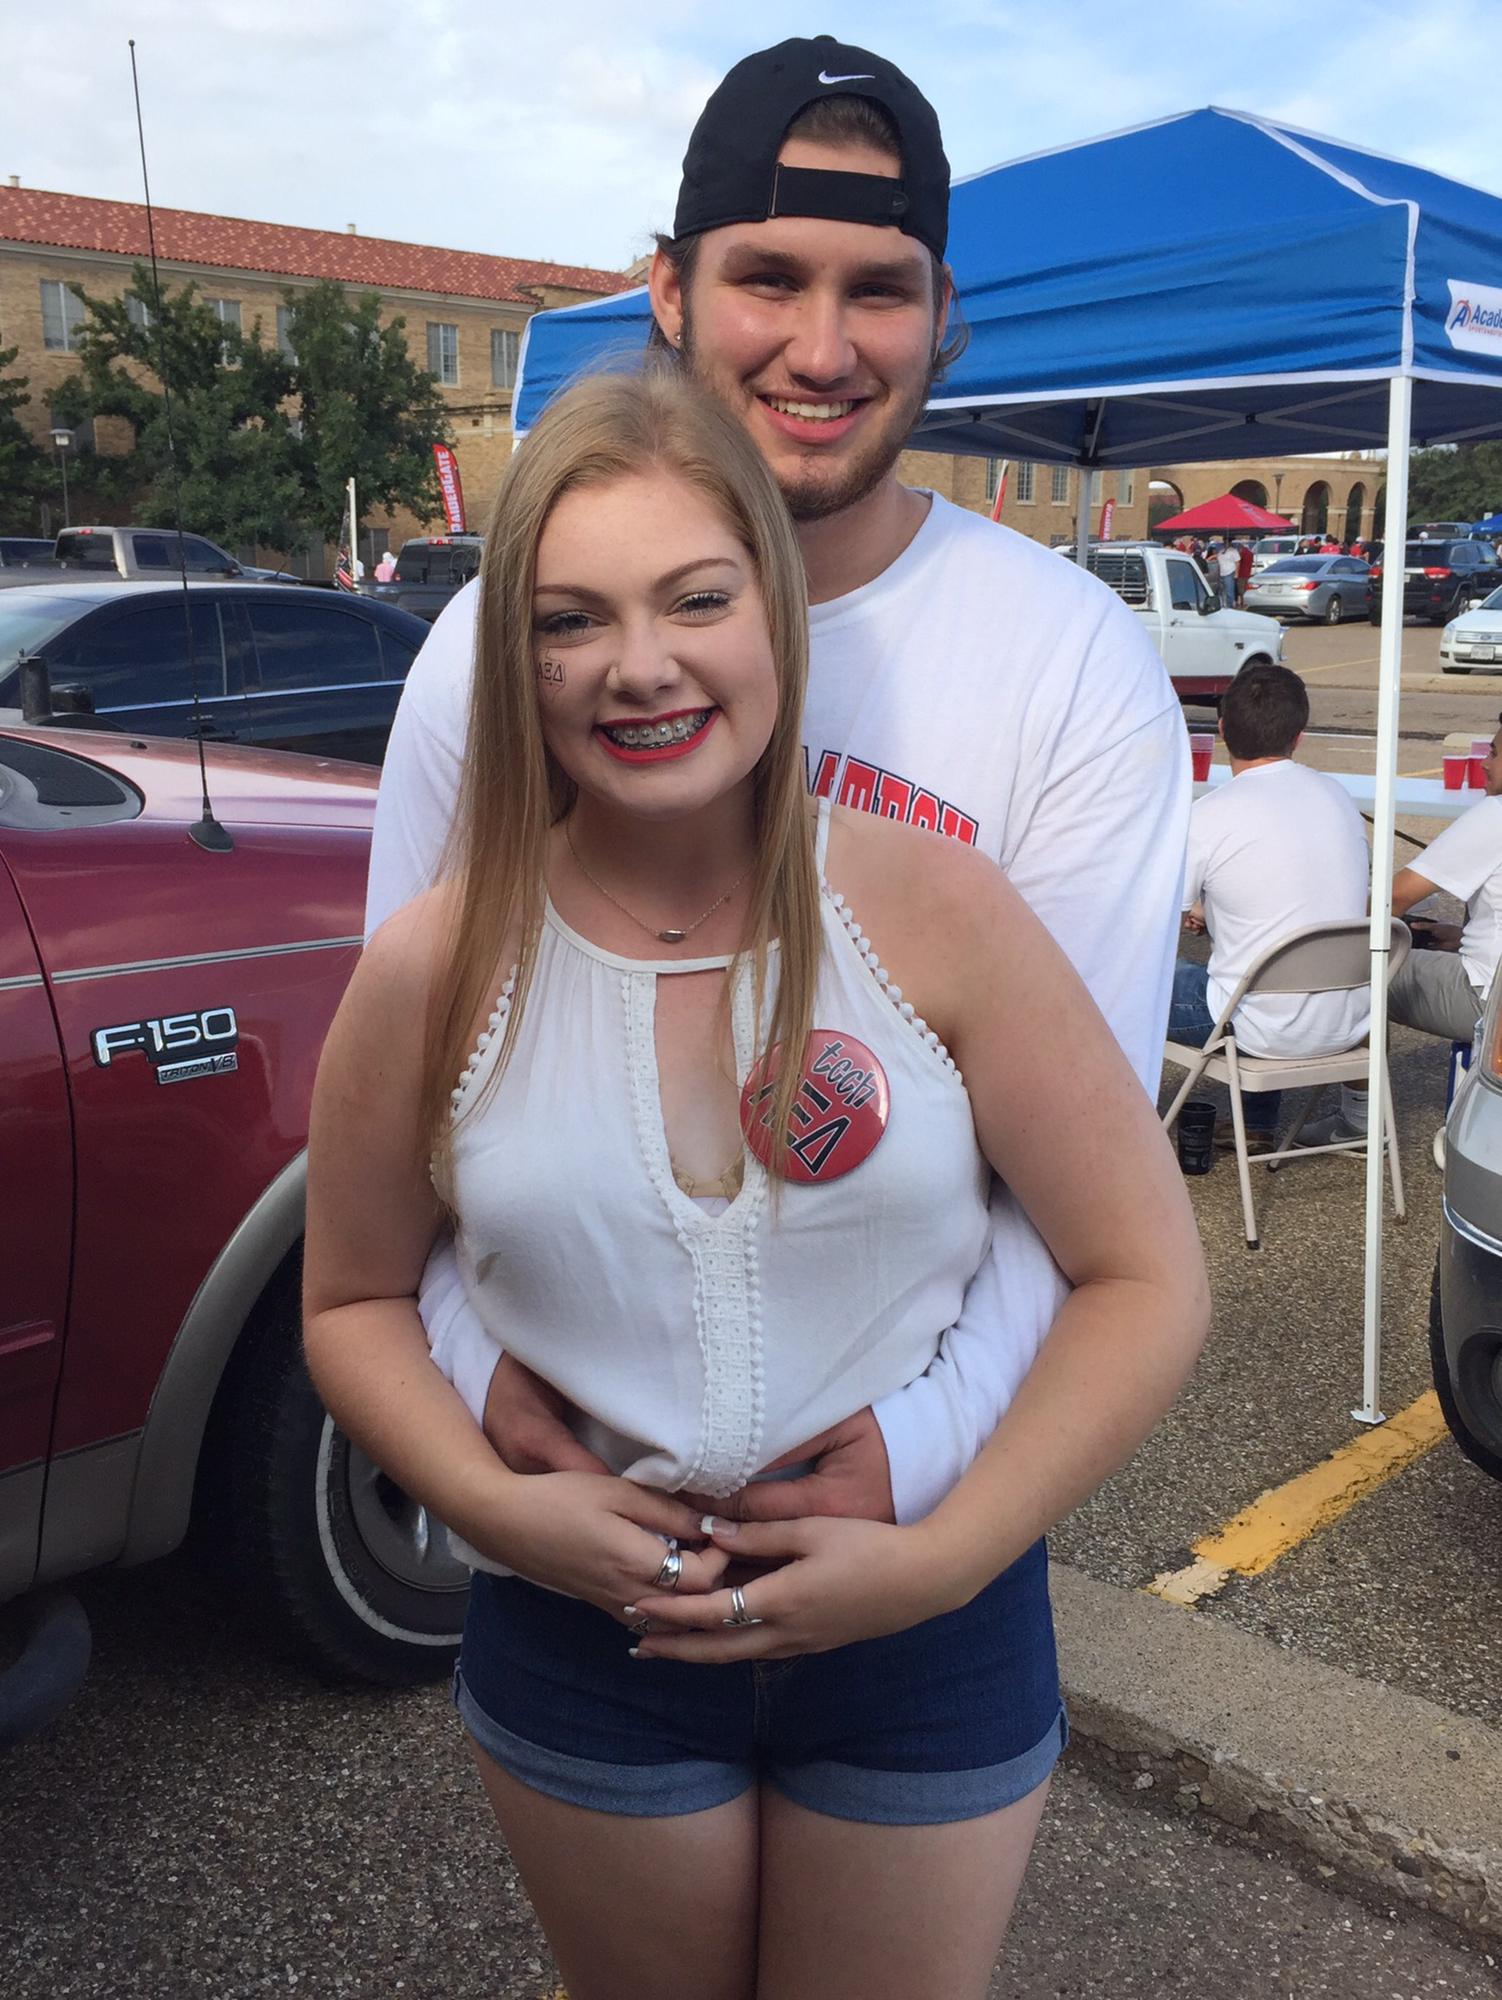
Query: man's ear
{"x": 941, "y": 318}
{"x": 665, "y": 289}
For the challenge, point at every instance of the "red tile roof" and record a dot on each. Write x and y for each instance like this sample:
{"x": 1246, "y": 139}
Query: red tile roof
{"x": 78, "y": 222}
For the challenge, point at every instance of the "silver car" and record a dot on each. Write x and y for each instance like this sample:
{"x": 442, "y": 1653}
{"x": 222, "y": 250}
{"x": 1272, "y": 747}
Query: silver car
{"x": 1474, "y": 639}
{"x": 1324, "y": 588}
{"x": 1465, "y": 1310}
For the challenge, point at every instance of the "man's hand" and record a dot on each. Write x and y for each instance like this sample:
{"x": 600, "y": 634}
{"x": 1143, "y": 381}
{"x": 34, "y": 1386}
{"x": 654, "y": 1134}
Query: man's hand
{"x": 1193, "y": 920}
{"x": 851, "y": 1478}
{"x": 526, "y": 1421}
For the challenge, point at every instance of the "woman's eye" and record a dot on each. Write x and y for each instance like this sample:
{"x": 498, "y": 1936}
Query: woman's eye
{"x": 563, "y": 624}
{"x": 703, "y": 603}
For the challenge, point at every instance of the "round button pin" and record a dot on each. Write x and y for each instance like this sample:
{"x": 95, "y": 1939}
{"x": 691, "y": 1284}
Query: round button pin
{"x": 839, "y": 1114}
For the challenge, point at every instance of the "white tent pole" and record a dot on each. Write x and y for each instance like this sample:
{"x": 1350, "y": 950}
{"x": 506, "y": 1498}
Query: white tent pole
{"x": 1390, "y": 659}
{"x": 1084, "y": 508}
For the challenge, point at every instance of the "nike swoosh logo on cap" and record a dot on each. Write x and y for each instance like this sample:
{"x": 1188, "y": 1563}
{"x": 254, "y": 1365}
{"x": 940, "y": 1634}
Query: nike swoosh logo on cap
{"x": 825, "y": 78}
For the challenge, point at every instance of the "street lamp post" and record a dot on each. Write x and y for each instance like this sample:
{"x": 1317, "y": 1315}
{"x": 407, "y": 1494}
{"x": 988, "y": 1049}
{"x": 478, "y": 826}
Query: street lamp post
{"x": 63, "y": 439}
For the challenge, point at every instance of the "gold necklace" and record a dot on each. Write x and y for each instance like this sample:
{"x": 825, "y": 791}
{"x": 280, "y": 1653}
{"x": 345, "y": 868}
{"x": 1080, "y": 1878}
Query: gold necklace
{"x": 727, "y": 1184}
{"x": 664, "y": 937}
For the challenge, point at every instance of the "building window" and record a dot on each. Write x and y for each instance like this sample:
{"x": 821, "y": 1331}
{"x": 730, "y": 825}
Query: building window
{"x": 283, "y": 336}
{"x": 443, "y": 352}
{"x": 63, "y": 313}
{"x": 993, "y": 477}
{"x": 504, "y": 346}
{"x": 1027, "y": 482}
{"x": 227, "y": 312}
{"x": 137, "y": 312}
{"x": 1128, "y": 484}
{"x": 1058, "y": 485}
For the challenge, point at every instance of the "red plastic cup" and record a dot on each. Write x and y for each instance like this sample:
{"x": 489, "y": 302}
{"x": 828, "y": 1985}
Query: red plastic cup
{"x": 1481, "y": 749}
{"x": 1201, "y": 750}
{"x": 1455, "y": 767}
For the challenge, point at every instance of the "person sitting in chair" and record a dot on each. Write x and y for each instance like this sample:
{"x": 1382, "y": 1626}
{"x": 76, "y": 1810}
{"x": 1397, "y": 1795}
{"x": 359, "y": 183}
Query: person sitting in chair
{"x": 1277, "y": 849}
{"x": 1441, "y": 987}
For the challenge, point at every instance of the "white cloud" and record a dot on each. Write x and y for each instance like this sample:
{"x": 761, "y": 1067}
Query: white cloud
{"x": 556, "y": 129}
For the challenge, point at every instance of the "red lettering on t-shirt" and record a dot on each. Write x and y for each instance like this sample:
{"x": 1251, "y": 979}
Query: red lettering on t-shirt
{"x": 925, "y": 812}
{"x": 894, "y": 797}
{"x": 822, "y": 782}
{"x": 858, "y": 786}
{"x": 958, "y": 825}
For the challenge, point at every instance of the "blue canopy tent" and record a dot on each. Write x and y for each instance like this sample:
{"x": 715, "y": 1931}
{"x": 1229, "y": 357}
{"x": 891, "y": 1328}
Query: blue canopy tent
{"x": 1124, "y": 309}
{"x": 1492, "y": 525}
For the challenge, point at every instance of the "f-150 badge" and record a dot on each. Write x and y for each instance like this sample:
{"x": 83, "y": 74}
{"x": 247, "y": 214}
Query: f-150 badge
{"x": 178, "y": 1046}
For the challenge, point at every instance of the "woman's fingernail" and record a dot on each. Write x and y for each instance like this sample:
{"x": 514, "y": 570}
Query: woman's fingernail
{"x": 706, "y": 1524}
{"x": 633, "y": 1652}
{"x": 726, "y": 1530}
{"x": 629, "y": 1610}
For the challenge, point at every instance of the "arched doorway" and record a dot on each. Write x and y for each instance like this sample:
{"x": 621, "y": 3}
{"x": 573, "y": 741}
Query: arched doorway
{"x": 1355, "y": 501}
{"x": 1164, "y": 500}
{"x": 1252, "y": 491}
{"x": 1379, "y": 514}
{"x": 1315, "y": 518}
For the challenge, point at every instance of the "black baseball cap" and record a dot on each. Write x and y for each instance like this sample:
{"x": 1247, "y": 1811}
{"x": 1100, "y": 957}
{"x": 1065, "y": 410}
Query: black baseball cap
{"x": 730, "y": 171}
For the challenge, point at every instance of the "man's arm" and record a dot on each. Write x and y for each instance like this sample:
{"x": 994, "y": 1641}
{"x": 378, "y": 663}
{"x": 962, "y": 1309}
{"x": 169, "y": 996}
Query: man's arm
{"x": 1409, "y": 887}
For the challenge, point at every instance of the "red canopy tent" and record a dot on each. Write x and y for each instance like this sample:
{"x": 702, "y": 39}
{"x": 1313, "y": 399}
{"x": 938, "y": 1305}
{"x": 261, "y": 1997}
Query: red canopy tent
{"x": 1229, "y": 515}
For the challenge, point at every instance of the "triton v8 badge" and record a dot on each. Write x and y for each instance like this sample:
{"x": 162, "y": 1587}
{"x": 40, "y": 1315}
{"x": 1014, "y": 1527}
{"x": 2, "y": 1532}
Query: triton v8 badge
{"x": 178, "y": 1046}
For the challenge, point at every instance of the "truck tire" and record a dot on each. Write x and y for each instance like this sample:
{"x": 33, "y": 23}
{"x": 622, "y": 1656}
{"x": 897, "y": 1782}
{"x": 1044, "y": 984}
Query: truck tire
{"x": 1257, "y": 660}
{"x": 329, "y": 1559}
{"x": 1475, "y": 1450}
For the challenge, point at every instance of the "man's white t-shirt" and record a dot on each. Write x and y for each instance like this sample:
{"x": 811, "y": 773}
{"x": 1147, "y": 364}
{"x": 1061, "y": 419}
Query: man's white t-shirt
{"x": 980, "y": 685}
{"x": 1466, "y": 861}
{"x": 1277, "y": 849}
{"x": 1228, "y": 562}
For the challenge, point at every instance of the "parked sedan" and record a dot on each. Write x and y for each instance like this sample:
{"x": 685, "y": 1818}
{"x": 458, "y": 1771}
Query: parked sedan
{"x": 1323, "y": 588}
{"x": 1465, "y": 1313}
{"x": 1474, "y": 639}
{"x": 276, "y": 665}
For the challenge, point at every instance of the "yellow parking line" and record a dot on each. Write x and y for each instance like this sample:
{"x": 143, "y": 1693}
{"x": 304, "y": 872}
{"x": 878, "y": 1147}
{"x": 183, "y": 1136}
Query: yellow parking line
{"x": 1283, "y": 1518}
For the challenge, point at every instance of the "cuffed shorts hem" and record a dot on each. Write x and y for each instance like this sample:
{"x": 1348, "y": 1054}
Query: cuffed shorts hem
{"x": 920, "y": 1798}
{"x": 638, "y": 1791}
{"x": 838, "y": 1791}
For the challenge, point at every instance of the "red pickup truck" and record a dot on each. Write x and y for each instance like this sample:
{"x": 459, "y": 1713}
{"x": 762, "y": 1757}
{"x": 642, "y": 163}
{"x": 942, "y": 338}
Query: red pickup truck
{"x": 162, "y": 1008}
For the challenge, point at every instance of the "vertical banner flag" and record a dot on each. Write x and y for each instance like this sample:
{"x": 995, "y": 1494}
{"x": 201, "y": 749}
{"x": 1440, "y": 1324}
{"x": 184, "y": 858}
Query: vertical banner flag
{"x": 1001, "y": 489}
{"x": 1107, "y": 516}
{"x": 449, "y": 487}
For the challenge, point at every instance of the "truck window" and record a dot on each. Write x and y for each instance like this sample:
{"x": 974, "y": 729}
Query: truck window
{"x": 203, "y": 559}
{"x": 1185, "y": 589}
{"x": 151, "y": 551}
{"x": 86, "y": 551}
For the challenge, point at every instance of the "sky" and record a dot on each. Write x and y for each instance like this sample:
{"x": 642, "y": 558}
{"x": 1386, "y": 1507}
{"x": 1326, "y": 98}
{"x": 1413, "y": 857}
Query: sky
{"x": 555, "y": 129}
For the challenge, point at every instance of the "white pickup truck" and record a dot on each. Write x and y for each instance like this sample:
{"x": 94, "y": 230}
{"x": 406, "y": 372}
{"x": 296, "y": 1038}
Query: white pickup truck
{"x": 1203, "y": 646}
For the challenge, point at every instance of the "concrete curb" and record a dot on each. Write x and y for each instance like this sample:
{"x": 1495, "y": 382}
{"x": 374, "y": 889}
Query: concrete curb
{"x": 1390, "y": 1792}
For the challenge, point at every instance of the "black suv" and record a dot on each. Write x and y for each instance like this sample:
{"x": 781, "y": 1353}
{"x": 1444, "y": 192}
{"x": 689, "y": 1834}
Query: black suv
{"x": 278, "y": 665}
{"x": 1441, "y": 579}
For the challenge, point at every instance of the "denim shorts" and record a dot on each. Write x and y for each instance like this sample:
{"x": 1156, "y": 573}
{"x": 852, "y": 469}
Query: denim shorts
{"x": 950, "y": 1720}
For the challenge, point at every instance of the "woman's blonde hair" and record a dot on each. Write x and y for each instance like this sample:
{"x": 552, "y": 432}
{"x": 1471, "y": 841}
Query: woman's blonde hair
{"x": 513, "y": 791}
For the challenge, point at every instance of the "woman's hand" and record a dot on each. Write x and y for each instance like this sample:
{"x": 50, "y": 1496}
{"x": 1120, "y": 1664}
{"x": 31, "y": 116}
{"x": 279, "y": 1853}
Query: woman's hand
{"x": 595, "y": 1537}
{"x": 840, "y": 1581}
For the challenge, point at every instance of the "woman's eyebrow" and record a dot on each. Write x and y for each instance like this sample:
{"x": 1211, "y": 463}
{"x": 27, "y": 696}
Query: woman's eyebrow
{"x": 663, "y": 582}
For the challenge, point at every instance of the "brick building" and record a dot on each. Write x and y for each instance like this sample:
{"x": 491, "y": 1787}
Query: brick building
{"x": 464, "y": 311}
{"x": 464, "y": 314}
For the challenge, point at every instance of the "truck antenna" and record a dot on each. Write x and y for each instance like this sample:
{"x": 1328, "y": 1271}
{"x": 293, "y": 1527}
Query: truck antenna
{"x": 207, "y": 833}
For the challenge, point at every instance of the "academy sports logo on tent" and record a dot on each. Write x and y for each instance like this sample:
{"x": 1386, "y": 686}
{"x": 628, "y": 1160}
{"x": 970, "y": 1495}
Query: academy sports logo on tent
{"x": 1474, "y": 321}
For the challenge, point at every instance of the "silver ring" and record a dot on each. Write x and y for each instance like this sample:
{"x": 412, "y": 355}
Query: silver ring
{"x": 672, "y": 1569}
{"x": 739, "y": 1615}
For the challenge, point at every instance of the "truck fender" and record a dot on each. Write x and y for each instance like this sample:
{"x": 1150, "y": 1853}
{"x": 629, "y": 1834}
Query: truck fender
{"x": 166, "y": 1466}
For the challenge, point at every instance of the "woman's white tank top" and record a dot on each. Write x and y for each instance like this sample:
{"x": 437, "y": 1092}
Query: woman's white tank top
{"x": 699, "y": 1346}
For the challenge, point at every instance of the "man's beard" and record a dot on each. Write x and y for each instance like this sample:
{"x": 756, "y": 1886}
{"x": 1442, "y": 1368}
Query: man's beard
{"x": 814, "y": 498}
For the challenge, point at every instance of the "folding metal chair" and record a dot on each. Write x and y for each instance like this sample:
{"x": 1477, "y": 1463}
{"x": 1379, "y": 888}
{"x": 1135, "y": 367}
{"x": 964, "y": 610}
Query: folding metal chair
{"x": 1324, "y": 958}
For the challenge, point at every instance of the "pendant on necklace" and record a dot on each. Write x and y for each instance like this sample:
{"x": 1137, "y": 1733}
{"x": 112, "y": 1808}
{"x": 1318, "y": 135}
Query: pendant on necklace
{"x": 672, "y": 937}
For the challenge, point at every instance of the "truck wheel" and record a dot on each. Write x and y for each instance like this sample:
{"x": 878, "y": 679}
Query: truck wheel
{"x": 1332, "y": 611}
{"x": 328, "y": 1557}
{"x": 1257, "y": 660}
{"x": 1475, "y": 1450}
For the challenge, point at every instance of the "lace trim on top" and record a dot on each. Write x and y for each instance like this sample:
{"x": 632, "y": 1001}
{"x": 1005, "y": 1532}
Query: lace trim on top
{"x": 883, "y": 979}
{"x": 722, "y": 1249}
{"x": 489, "y": 1034}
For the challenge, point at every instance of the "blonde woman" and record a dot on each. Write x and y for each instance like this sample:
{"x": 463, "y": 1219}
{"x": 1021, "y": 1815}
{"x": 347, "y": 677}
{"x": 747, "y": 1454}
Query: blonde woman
{"x": 756, "y": 1761}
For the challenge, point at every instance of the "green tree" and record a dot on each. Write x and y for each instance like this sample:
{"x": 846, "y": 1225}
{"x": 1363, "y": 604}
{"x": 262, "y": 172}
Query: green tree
{"x": 25, "y": 473}
{"x": 237, "y": 474}
{"x": 366, "y": 410}
{"x": 1460, "y": 482}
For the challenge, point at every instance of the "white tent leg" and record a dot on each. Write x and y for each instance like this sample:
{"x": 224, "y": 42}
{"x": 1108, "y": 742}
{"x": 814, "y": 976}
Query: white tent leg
{"x": 1084, "y": 508}
{"x": 1395, "y": 536}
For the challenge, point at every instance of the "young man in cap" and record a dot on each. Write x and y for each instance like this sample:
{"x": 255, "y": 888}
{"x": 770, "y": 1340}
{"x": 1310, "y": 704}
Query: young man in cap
{"x": 963, "y": 678}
